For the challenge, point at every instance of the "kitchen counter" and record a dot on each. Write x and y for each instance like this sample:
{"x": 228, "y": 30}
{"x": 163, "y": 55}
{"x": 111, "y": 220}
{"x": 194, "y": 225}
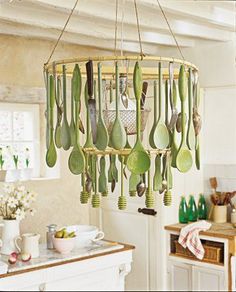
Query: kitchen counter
{"x": 75, "y": 271}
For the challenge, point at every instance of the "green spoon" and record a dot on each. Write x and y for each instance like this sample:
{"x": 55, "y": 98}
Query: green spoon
{"x": 161, "y": 137}
{"x": 184, "y": 159}
{"x": 102, "y": 180}
{"x": 151, "y": 135}
{"x": 190, "y": 131}
{"x": 59, "y": 114}
{"x": 51, "y": 156}
{"x": 197, "y": 154}
{"x": 47, "y": 110}
{"x": 89, "y": 138}
{"x": 138, "y": 160}
{"x": 72, "y": 122}
{"x": 102, "y": 135}
{"x": 134, "y": 180}
{"x": 157, "y": 179}
{"x": 76, "y": 161}
{"x": 118, "y": 134}
{"x": 174, "y": 146}
{"x": 65, "y": 129}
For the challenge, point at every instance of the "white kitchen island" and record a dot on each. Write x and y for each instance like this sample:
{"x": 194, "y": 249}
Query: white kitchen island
{"x": 100, "y": 267}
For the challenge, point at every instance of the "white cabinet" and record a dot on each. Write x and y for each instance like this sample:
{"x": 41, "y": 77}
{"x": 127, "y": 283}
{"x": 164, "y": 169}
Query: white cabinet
{"x": 180, "y": 276}
{"x": 207, "y": 279}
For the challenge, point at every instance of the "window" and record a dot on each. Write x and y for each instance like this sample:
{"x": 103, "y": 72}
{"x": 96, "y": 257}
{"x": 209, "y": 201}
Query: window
{"x": 19, "y": 135}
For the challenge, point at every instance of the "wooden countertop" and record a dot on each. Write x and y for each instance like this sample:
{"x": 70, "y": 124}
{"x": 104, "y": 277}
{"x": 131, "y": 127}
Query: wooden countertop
{"x": 63, "y": 261}
{"x": 225, "y": 230}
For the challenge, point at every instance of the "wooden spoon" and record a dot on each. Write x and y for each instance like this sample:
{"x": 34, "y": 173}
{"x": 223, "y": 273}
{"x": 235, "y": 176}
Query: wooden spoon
{"x": 190, "y": 131}
{"x": 59, "y": 114}
{"x": 151, "y": 135}
{"x": 174, "y": 145}
{"x": 161, "y": 135}
{"x": 102, "y": 135}
{"x": 65, "y": 129}
{"x": 138, "y": 160}
{"x": 184, "y": 159}
{"x": 118, "y": 133}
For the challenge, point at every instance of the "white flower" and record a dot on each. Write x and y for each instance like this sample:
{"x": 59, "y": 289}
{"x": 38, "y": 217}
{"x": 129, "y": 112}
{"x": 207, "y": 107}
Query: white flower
{"x": 8, "y": 188}
{"x": 32, "y": 212}
{"x": 20, "y": 214}
{"x": 25, "y": 202}
{"x": 12, "y": 202}
{"x": 32, "y": 196}
{"x": 3, "y": 198}
{"x": 21, "y": 188}
{"x": 20, "y": 195}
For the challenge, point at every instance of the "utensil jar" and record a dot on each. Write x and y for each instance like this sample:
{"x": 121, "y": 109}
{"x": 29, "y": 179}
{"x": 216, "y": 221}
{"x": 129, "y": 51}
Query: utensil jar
{"x": 220, "y": 214}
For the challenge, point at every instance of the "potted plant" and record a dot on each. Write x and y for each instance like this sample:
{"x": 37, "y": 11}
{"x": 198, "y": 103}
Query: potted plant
{"x": 2, "y": 171}
{"x": 15, "y": 172}
{"x": 27, "y": 171}
{"x": 15, "y": 203}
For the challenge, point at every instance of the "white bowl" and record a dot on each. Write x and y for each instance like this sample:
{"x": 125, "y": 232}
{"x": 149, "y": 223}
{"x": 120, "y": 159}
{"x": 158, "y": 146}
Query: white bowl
{"x": 85, "y": 234}
{"x": 64, "y": 245}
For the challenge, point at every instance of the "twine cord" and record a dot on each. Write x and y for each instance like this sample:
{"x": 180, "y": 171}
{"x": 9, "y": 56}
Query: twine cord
{"x": 139, "y": 32}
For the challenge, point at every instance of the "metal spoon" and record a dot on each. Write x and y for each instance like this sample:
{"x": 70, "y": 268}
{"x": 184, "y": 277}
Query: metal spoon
{"x": 123, "y": 90}
{"x": 141, "y": 187}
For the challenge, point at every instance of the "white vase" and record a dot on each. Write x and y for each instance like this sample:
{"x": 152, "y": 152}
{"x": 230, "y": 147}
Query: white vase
{"x": 13, "y": 175}
{"x": 11, "y": 230}
{"x": 26, "y": 174}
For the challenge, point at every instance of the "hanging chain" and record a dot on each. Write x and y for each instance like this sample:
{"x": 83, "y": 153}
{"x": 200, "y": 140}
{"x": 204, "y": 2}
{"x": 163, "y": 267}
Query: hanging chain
{"x": 139, "y": 33}
{"x": 171, "y": 31}
{"x": 61, "y": 34}
{"x": 116, "y": 27}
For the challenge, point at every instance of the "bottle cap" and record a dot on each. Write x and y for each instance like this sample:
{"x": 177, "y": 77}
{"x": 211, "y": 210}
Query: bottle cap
{"x": 52, "y": 227}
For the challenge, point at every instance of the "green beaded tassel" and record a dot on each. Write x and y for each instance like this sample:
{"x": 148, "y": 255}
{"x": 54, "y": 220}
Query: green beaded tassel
{"x": 122, "y": 202}
{"x": 95, "y": 197}
{"x": 150, "y": 201}
{"x": 167, "y": 198}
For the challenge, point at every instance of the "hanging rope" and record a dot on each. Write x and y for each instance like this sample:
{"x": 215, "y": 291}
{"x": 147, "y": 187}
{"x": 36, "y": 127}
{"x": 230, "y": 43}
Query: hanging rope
{"x": 139, "y": 33}
{"x": 116, "y": 27}
{"x": 122, "y": 28}
{"x": 171, "y": 31}
{"x": 61, "y": 34}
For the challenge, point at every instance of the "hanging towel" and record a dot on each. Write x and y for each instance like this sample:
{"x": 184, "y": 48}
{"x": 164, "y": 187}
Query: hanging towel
{"x": 189, "y": 237}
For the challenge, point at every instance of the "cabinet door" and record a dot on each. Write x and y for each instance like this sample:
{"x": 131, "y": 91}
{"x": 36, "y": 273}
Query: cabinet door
{"x": 208, "y": 279}
{"x": 180, "y": 276}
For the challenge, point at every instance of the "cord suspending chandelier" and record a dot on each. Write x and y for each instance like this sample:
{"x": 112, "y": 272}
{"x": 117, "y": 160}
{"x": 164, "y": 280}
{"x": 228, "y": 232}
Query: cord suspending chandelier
{"x": 111, "y": 91}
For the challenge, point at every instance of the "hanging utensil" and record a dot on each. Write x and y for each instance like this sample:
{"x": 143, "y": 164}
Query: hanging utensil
{"x": 123, "y": 87}
{"x": 161, "y": 135}
{"x": 197, "y": 122}
{"x": 96, "y": 197}
{"x": 149, "y": 202}
{"x": 127, "y": 146}
{"x": 102, "y": 180}
{"x": 122, "y": 202}
{"x": 102, "y": 135}
{"x": 47, "y": 114}
{"x": 179, "y": 122}
{"x": 151, "y": 135}
{"x": 84, "y": 195}
{"x": 141, "y": 186}
{"x": 76, "y": 161}
{"x": 184, "y": 159}
{"x": 157, "y": 178}
{"x": 163, "y": 174}
{"x": 111, "y": 92}
{"x": 91, "y": 100}
{"x": 138, "y": 160}
{"x": 112, "y": 172}
{"x": 134, "y": 180}
{"x": 59, "y": 114}
{"x": 174, "y": 145}
{"x": 51, "y": 155}
{"x": 65, "y": 129}
{"x": 89, "y": 140}
{"x": 167, "y": 110}
{"x": 167, "y": 195}
{"x": 144, "y": 94}
{"x": 118, "y": 133}
{"x": 72, "y": 122}
{"x": 174, "y": 111}
{"x": 190, "y": 131}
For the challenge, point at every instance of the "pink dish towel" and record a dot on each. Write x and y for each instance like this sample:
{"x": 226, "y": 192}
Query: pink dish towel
{"x": 189, "y": 237}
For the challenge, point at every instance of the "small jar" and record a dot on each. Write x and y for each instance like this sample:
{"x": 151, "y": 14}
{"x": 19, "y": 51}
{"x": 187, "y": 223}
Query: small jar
{"x": 50, "y": 233}
{"x": 233, "y": 216}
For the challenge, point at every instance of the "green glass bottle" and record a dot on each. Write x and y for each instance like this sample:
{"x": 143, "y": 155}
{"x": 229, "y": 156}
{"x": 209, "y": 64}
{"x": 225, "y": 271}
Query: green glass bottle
{"x": 192, "y": 209}
{"x": 202, "y": 208}
{"x": 183, "y": 211}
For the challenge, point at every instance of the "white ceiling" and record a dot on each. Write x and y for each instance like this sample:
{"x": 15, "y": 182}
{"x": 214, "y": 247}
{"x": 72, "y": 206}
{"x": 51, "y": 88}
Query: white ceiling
{"x": 93, "y": 22}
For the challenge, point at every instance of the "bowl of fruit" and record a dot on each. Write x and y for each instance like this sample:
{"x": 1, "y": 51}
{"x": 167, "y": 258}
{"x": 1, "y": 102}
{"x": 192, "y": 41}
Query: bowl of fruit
{"x": 63, "y": 241}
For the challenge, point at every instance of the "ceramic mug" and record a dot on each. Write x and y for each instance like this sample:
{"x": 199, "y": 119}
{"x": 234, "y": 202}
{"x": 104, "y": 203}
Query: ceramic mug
{"x": 30, "y": 244}
{"x": 85, "y": 234}
{"x": 220, "y": 214}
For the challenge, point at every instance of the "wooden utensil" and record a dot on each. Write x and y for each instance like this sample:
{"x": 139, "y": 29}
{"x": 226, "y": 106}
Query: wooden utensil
{"x": 134, "y": 180}
{"x": 161, "y": 134}
{"x": 157, "y": 178}
{"x": 184, "y": 159}
{"x": 174, "y": 146}
{"x": 138, "y": 160}
{"x": 213, "y": 183}
{"x": 65, "y": 129}
{"x": 76, "y": 161}
{"x": 174, "y": 111}
{"x": 122, "y": 202}
{"x": 95, "y": 197}
{"x": 118, "y": 133}
{"x": 47, "y": 112}
{"x": 102, "y": 135}
{"x": 149, "y": 202}
{"x": 151, "y": 135}
{"x": 91, "y": 100}
{"x": 144, "y": 94}
{"x": 51, "y": 155}
{"x": 72, "y": 122}
{"x": 190, "y": 132}
{"x": 102, "y": 180}
{"x": 59, "y": 114}
{"x": 89, "y": 139}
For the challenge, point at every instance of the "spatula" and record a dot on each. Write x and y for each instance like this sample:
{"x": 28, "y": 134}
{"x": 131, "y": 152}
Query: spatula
{"x": 174, "y": 145}
{"x": 118, "y": 133}
{"x": 190, "y": 131}
{"x": 47, "y": 114}
{"x": 151, "y": 135}
{"x": 157, "y": 178}
{"x": 76, "y": 161}
{"x": 72, "y": 122}
{"x": 138, "y": 160}
{"x": 59, "y": 114}
{"x": 91, "y": 100}
{"x": 161, "y": 134}
{"x": 65, "y": 129}
{"x": 102, "y": 180}
{"x": 184, "y": 159}
{"x": 102, "y": 135}
{"x": 51, "y": 155}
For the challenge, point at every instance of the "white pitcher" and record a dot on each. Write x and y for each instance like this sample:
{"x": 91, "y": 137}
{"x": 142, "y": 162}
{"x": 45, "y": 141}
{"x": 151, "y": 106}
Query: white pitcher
{"x": 30, "y": 244}
{"x": 11, "y": 230}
